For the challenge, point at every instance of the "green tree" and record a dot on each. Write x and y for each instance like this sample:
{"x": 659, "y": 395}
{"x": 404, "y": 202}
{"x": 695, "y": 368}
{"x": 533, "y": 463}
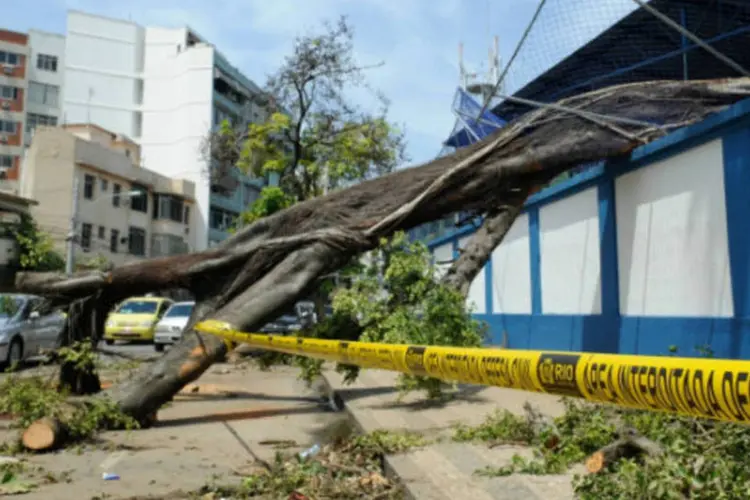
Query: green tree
{"x": 314, "y": 138}
{"x": 36, "y": 250}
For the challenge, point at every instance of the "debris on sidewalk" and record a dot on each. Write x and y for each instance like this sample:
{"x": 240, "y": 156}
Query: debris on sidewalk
{"x": 346, "y": 468}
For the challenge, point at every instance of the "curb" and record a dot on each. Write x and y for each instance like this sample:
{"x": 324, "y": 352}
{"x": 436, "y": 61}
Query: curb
{"x": 389, "y": 469}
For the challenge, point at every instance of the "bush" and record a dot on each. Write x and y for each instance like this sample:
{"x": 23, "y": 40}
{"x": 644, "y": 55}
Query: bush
{"x": 395, "y": 299}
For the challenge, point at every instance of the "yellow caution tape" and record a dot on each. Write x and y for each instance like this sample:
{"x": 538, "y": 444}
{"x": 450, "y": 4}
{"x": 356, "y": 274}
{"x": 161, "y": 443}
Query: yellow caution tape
{"x": 698, "y": 387}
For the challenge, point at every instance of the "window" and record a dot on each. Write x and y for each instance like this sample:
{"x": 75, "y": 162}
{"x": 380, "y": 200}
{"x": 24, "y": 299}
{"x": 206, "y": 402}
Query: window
{"x": 137, "y": 307}
{"x": 102, "y": 232}
{"x": 33, "y": 120}
{"x": 8, "y": 127}
{"x": 168, "y": 207}
{"x": 8, "y": 92}
{"x": 221, "y": 219}
{"x": 114, "y": 240}
{"x": 116, "y": 188}
{"x": 104, "y": 184}
{"x": 6, "y": 161}
{"x": 137, "y": 241}
{"x": 163, "y": 245}
{"x": 46, "y": 62}
{"x": 43, "y": 93}
{"x": 9, "y": 58}
{"x": 179, "y": 311}
{"x": 88, "y": 187}
{"x": 220, "y": 115}
{"x": 86, "y": 235}
{"x": 186, "y": 215}
{"x": 139, "y": 202}
{"x": 249, "y": 194}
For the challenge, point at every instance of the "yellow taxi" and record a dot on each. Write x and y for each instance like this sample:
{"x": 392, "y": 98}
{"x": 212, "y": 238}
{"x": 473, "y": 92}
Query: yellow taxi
{"x": 135, "y": 319}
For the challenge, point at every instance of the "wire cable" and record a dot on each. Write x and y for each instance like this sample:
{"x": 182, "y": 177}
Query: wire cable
{"x": 520, "y": 43}
{"x": 688, "y": 34}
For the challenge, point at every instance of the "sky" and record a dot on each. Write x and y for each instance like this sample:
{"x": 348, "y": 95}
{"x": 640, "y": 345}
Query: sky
{"x": 416, "y": 40}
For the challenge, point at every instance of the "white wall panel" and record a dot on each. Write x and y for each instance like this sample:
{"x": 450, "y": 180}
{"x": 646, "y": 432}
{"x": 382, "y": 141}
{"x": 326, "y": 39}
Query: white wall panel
{"x": 444, "y": 254}
{"x": 511, "y": 272}
{"x": 477, "y": 298}
{"x": 569, "y": 252}
{"x": 672, "y": 239}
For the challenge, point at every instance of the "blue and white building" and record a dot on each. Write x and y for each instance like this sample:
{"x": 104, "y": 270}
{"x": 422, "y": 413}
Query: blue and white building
{"x": 635, "y": 256}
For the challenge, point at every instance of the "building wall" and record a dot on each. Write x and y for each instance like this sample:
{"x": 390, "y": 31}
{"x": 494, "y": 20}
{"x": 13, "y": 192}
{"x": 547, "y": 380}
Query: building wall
{"x": 12, "y": 113}
{"x": 103, "y": 64}
{"x": 57, "y": 157}
{"x": 177, "y": 107}
{"x": 45, "y": 98}
{"x": 150, "y": 84}
{"x": 632, "y": 256}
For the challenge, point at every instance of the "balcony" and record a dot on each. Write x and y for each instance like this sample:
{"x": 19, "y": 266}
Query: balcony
{"x": 165, "y": 245}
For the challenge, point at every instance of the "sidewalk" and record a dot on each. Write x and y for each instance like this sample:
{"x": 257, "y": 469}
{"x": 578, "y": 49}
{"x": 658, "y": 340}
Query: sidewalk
{"x": 445, "y": 470}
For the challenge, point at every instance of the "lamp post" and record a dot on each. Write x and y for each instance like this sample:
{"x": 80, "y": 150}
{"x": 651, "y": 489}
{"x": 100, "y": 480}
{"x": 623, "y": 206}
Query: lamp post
{"x": 70, "y": 239}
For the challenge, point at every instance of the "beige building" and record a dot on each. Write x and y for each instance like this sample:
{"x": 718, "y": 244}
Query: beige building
{"x": 125, "y": 212}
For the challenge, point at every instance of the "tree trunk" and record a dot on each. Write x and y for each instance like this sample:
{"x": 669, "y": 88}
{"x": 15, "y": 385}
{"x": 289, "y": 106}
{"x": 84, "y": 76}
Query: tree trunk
{"x": 268, "y": 265}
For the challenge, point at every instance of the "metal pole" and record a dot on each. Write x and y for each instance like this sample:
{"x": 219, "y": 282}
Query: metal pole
{"x": 70, "y": 249}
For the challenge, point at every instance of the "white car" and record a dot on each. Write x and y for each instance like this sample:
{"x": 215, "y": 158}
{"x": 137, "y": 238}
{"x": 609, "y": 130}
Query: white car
{"x": 169, "y": 329}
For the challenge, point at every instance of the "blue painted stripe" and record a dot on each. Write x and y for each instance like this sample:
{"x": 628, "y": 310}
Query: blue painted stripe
{"x": 535, "y": 261}
{"x": 736, "y": 148}
{"x": 610, "y": 285}
{"x": 649, "y": 336}
{"x": 488, "y": 286}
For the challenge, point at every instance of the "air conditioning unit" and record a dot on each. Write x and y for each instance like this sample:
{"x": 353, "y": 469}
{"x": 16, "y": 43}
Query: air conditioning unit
{"x": 3, "y": 139}
{"x": 8, "y": 70}
{"x": 5, "y": 105}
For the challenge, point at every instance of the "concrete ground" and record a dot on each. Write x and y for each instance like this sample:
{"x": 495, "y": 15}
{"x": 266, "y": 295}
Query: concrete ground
{"x": 236, "y": 415}
{"x": 446, "y": 469}
{"x": 201, "y": 437}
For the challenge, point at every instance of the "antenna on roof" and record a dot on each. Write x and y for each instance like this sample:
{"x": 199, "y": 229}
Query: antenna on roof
{"x": 478, "y": 84}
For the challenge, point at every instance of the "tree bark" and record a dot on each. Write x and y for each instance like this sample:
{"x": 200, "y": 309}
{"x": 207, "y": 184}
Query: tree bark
{"x": 265, "y": 267}
{"x": 630, "y": 444}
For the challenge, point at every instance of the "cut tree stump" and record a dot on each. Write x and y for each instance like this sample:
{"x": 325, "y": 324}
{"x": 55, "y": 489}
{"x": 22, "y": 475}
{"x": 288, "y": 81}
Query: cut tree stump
{"x": 44, "y": 435}
{"x": 630, "y": 445}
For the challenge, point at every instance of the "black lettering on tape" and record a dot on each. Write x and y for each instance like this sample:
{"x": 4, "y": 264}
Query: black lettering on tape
{"x": 520, "y": 374}
{"x": 690, "y": 392}
{"x": 734, "y": 402}
{"x": 414, "y": 360}
{"x": 557, "y": 373}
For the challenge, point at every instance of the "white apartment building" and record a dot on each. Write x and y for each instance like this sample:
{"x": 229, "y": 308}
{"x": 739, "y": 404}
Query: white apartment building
{"x": 46, "y": 78}
{"x": 125, "y": 212}
{"x": 166, "y": 88}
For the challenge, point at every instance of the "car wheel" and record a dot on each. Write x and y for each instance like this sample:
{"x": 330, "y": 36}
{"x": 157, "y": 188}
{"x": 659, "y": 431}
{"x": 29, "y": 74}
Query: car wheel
{"x": 159, "y": 347}
{"x": 109, "y": 341}
{"x": 15, "y": 354}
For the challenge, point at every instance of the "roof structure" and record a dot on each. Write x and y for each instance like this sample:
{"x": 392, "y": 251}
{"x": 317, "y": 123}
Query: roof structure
{"x": 638, "y": 47}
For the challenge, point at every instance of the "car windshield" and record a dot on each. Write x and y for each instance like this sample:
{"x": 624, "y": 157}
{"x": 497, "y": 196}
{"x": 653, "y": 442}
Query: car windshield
{"x": 9, "y": 306}
{"x": 180, "y": 310}
{"x": 137, "y": 307}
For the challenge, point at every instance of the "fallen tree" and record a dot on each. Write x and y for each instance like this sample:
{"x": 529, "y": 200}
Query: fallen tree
{"x": 263, "y": 268}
